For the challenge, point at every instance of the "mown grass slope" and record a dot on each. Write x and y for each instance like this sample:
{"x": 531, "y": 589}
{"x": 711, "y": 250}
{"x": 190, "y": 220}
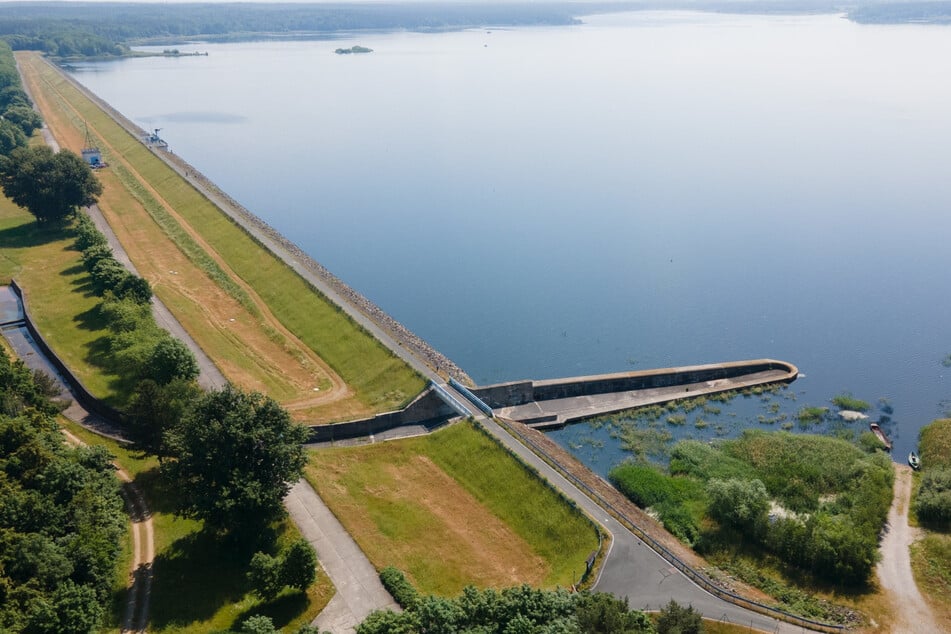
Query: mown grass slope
{"x": 451, "y": 509}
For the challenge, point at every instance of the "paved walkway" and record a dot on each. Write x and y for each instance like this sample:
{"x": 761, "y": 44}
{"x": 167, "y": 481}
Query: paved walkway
{"x": 359, "y": 591}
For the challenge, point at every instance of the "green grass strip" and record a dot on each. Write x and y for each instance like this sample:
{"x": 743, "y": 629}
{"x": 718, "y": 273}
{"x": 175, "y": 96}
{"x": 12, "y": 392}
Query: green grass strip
{"x": 554, "y": 527}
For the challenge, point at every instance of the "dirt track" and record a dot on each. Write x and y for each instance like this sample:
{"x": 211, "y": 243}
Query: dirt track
{"x": 912, "y": 613}
{"x": 135, "y": 615}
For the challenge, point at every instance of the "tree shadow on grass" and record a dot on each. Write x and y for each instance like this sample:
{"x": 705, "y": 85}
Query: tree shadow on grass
{"x": 160, "y": 496}
{"x": 282, "y": 610}
{"x": 30, "y": 234}
{"x": 194, "y": 578}
{"x": 81, "y": 282}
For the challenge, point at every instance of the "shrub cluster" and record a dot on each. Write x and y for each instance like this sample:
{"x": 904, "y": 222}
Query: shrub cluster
{"x": 399, "y": 586}
{"x": 295, "y": 568}
{"x": 61, "y": 518}
{"x": 518, "y": 609}
{"x": 670, "y": 498}
{"x": 106, "y": 272}
{"x": 838, "y": 497}
{"x": 933, "y": 503}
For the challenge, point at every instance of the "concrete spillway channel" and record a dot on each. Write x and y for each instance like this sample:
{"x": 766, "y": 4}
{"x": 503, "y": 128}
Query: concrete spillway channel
{"x": 14, "y": 330}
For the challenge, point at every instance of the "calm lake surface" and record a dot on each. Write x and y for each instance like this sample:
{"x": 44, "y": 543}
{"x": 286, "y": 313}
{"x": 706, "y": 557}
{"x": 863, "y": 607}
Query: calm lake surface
{"x": 645, "y": 190}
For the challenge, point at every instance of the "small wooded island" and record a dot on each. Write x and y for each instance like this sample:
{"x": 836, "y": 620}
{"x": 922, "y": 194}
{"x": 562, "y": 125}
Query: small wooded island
{"x": 353, "y": 49}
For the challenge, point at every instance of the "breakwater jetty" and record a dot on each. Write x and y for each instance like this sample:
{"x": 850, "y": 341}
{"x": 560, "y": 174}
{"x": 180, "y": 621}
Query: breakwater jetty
{"x": 553, "y": 403}
{"x": 557, "y": 402}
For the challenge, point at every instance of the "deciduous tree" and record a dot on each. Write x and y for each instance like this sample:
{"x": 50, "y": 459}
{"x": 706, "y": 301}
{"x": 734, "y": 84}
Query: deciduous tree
{"x": 235, "y": 456}
{"x": 50, "y": 186}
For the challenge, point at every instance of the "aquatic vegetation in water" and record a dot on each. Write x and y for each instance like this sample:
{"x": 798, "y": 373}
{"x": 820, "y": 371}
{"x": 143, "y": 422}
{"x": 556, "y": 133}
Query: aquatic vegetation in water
{"x": 645, "y": 442}
{"x": 676, "y": 419}
{"x": 809, "y": 415}
{"x": 845, "y": 400}
{"x": 701, "y": 424}
{"x": 723, "y": 397}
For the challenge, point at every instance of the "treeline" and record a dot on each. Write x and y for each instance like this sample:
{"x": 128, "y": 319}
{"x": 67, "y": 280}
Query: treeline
{"x": 516, "y": 609}
{"x": 832, "y": 498}
{"x": 61, "y": 517}
{"x": 18, "y": 120}
{"x": 931, "y": 12}
{"x": 94, "y": 29}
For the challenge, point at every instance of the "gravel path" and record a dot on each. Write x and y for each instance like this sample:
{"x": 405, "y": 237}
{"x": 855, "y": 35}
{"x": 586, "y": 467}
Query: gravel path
{"x": 135, "y": 616}
{"x": 912, "y": 613}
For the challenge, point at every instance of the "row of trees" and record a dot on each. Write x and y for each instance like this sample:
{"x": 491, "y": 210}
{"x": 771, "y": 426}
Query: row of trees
{"x": 61, "y": 516}
{"x": 138, "y": 349}
{"x": 18, "y": 120}
{"x": 520, "y": 609}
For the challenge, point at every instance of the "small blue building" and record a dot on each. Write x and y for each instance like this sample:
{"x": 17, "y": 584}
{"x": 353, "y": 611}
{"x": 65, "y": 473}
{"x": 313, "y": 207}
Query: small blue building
{"x": 92, "y": 156}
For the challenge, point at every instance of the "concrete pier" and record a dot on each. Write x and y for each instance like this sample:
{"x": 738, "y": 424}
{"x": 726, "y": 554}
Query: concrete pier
{"x": 555, "y": 403}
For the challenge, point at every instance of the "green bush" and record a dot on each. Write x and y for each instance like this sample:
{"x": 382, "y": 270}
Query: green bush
{"x": 934, "y": 497}
{"x": 644, "y": 485}
{"x": 399, "y": 586}
{"x": 676, "y": 619}
{"x": 739, "y": 503}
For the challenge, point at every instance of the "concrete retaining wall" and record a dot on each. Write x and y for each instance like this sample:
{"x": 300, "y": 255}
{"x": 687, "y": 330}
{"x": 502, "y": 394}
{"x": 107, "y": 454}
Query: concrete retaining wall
{"x": 83, "y": 395}
{"x": 427, "y": 409}
{"x": 521, "y": 392}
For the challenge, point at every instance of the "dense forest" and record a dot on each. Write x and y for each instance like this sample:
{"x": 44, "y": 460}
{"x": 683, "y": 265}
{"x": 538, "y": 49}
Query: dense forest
{"x": 61, "y": 517}
{"x": 79, "y": 29}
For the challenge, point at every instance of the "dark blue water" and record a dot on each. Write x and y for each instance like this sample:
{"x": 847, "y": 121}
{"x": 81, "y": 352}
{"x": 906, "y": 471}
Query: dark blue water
{"x": 646, "y": 190}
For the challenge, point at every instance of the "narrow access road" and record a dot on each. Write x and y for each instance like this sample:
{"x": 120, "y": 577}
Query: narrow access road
{"x": 359, "y": 591}
{"x": 911, "y": 611}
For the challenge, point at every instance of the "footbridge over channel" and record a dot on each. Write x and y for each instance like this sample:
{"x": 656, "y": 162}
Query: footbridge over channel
{"x": 556, "y": 402}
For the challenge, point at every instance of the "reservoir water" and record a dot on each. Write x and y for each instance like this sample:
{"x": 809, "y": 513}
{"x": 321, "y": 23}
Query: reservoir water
{"x": 643, "y": 190}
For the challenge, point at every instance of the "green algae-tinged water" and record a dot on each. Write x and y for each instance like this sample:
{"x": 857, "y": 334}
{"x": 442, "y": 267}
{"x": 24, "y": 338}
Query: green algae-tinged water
{"x": 645, "y": 190}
